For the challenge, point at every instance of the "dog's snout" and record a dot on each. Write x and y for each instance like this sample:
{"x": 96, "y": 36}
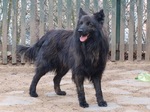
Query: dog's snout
{"x": 80, "y": 30}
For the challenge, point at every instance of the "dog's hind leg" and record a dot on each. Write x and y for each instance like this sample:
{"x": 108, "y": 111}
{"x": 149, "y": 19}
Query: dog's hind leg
{"x": 97, "y": 85}
{"x": 40, "y": 71}
{"x": 60, "y": 72}
{"x": 79, "y": 80}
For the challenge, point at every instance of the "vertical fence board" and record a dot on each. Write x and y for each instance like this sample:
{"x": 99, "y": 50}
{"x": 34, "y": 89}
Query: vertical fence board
{"x": 69, "y": 11}
{"x": 122, "y": 30}
{"x": 50, "y": 21}
{"x": 14, "y": 30}
{"x": 60, "y": 13}
{"x": 140, "y": 16}
{"x": 4, "y": 32}
{"x": 87, "y": 6}
{"x": 118, "y": 12}
{"x": 41, "y": 27}
{"x": 131, "y": 30}
{"x": 78, "y": 6}
{"x": 23, "y": 25}
{"x": 96, "y": 5}
{"x": 148, "y": 32}
{"x": 33, "y": 38}
{"x": 113, "y": 38}
{"x": 106, "y": 12}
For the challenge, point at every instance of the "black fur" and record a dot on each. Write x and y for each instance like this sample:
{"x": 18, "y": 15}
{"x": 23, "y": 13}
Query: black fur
{"x": 84, "y": 51}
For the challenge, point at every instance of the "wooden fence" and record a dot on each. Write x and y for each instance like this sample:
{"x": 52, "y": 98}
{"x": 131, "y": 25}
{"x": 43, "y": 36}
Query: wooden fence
{"x": 25, "y": 21}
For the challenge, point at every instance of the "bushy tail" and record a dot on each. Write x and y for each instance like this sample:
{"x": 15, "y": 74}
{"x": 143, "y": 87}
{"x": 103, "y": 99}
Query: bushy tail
{"x": 30, "y": 53}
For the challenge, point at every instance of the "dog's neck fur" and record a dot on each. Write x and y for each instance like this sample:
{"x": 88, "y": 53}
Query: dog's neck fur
{"x": 91, "y": 54}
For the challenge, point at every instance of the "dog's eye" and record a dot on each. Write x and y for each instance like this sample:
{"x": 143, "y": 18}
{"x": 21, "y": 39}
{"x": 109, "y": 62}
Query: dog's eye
{"x": 89, "y": 24}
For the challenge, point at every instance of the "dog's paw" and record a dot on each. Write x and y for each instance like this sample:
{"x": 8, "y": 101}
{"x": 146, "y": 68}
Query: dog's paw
{"x": 63, "y": 93}
{"x": 33, "y": 94}
{"x": 84, "y": 105}
{"x": 102, "y": 104}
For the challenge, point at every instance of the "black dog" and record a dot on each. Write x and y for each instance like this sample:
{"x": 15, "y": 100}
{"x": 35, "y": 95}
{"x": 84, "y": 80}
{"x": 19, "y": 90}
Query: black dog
{"x": 84, "y": 51}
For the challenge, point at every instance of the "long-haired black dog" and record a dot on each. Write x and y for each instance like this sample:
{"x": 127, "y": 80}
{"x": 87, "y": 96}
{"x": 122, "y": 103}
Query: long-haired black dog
{"x": 84, "y": 51}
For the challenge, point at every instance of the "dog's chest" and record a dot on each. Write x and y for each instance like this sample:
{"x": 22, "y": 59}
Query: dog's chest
{"x": 90, "y": 55}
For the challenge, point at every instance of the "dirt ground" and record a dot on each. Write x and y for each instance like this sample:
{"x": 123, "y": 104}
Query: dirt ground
{"x": 121, "y": 91}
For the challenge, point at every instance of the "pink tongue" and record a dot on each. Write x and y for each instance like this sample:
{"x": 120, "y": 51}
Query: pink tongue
{"x": 83, "y": 38}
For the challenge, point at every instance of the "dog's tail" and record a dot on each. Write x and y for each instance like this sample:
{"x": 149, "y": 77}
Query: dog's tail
{"x": 30, "y": 53}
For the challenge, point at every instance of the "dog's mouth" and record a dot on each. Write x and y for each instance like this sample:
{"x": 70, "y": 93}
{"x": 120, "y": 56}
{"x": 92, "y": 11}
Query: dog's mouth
{"x": 83, "y": 38}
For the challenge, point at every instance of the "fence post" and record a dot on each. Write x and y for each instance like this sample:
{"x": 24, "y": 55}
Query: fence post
{"x": 14, "y": 35}
{"x": 140, "y": 17}
{"x": 4, "y": 32}
{"x": 95, "y": 5}
{"x": 50, "y": 20}
{"x": 118, "y": 5}
{"x": 59, "y": 8}
{"x": 147, "y": 57}
{"x": 33, "y": 37}
{"x": 113, "y": 38}
{"x": 131, "y": 31}
{"x": 78, "y": 5}
{"x": 122, "y": 30}
{"x": 69, "y": 11}
{"x": 42, "y": 12}
{"x": 115, "y": 41}
{"x": 87, "y": 6}
{"x": 23, "y": 26}
{"x": 106, "y": 12}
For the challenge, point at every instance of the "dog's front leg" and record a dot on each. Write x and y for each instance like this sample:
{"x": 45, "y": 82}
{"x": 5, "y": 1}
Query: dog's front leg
{"x": 99, "y": 95}
{"x": 79, "y": 80}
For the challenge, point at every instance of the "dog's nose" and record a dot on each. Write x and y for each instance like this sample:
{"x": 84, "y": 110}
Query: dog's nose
{"x": 80, "y": 30}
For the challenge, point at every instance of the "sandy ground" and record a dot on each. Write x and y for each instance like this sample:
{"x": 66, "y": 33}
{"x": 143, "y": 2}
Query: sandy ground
{"x": 122, "y": 92}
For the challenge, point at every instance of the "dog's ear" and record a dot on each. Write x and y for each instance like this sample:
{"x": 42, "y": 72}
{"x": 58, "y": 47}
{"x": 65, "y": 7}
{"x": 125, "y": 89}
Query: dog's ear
{"x": 81, "y": 13}
{"x": 99, "y": 16}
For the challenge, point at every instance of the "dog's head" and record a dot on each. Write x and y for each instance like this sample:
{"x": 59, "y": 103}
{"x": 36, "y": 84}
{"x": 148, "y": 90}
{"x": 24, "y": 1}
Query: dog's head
{"x": 88, "y": 24}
